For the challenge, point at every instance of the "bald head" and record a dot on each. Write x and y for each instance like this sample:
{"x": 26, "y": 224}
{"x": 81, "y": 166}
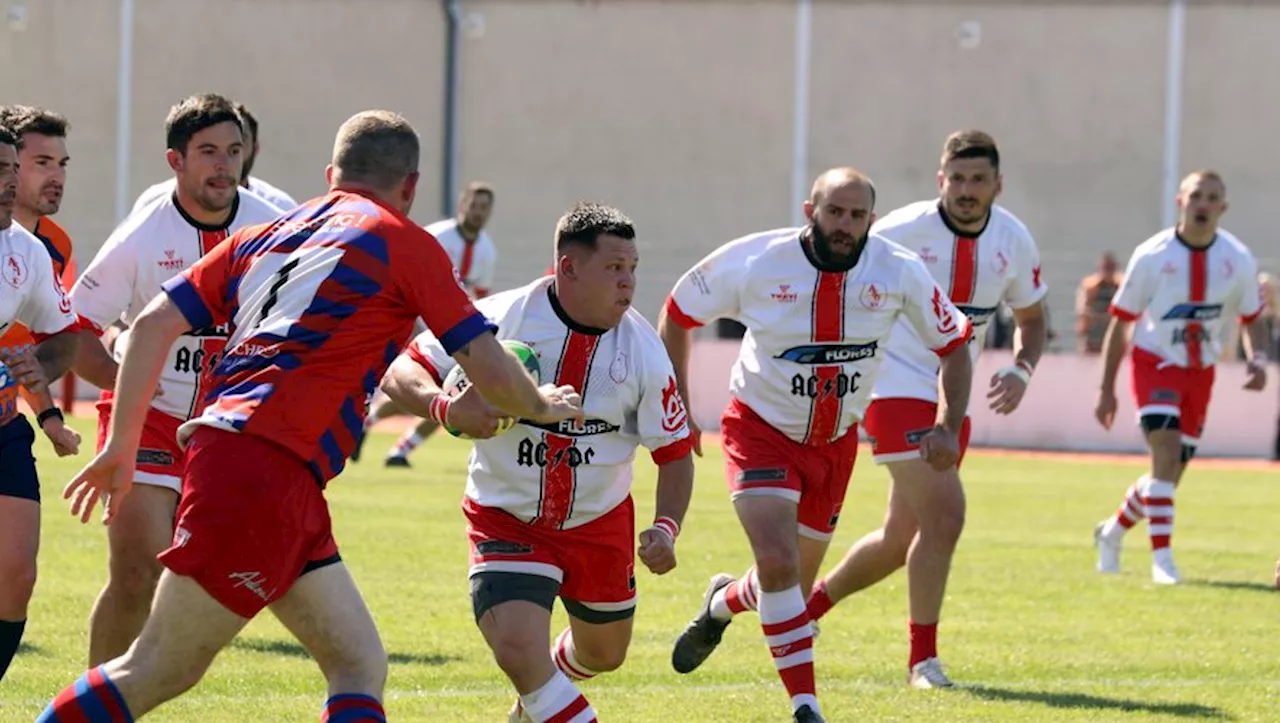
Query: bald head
{"x": 838, "y": 179}
{"x": 377, "y": 149}
{"x": 1196, "y": 178}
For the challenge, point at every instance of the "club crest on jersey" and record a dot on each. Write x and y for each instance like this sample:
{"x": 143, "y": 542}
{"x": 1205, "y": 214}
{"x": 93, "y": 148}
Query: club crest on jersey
{"x": 1169, "y": 268}
{"x": 618, "y": 369}
{"x": 872, "y": 296}
{"x": 14, "y": 270}
{"x": 784, "y": 294}
{"x": 1228, "y": 268}
{"x": 1000, "y": 262}
{"x": 928, "y": 256}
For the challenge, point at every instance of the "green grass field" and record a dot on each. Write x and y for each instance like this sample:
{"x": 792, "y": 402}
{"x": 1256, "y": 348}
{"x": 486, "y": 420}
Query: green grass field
{"x": 1029, "y": 630}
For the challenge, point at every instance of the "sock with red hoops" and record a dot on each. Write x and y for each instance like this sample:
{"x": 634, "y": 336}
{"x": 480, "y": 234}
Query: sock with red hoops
{"x": 789, "y": 635}
{"x": 924, "y": 642}
{"x": 736, "y": 598}
{"x": 353, "y": 708}
{"x": 820, "y": 603}
{"x": 566, "y": 658}
{"x": 1131, "y": 511}
{"x": 91, "y": 699}
{"x": 559, "y": 700}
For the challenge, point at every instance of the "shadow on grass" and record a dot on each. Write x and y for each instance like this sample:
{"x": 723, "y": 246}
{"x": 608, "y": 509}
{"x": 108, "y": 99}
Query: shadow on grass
{"x": 294, "y": 650}
{"x": 29, "y": 649}
{"x": 1234, "y": 585}
{"x": 1083, "y": 701}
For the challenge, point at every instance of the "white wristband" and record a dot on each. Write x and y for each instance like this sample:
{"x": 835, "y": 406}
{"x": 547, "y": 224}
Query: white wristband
{"x": 1018, "y": 372}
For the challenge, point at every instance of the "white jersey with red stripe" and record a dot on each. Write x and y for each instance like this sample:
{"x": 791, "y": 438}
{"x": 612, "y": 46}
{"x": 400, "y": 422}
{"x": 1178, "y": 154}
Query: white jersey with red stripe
{"x": 980, "y": 270}
{"x": 1180, "y": 296}
{"x": 815, "y": 339}
{"x": 565, "y": 475}
{"x": 476, "y": 261}
{"x": 147, "y": 249}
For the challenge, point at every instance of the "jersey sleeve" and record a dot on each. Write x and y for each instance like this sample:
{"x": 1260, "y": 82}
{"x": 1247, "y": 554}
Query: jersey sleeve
{"x": 429, "y": 353}
{"x": 202, "y": 292}
{"x": 46, "y": 310}
{"x": 662, "y": 418}
{"x": 936, "y": 320}
{"x": 105, "y": 290}
{"x": 1134, "y": 294}
{"x": 433, "y": 291}
{"x": 1027, "y": 288}
{"x": 710, "y": 290}
{"x": 484, "y": 282}
{"x": 1251, "y": 300}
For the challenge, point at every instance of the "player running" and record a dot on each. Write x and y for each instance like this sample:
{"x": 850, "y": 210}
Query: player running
{"x": 475, "y": 256}
{"x": 163, "y": 239}
{"x": 818, "y": 303}
{"x": 1180, "y": 287}
{"x": 321, "y": 301}
{"x": 983, "y": 256}
{"x": 34, "y": 297}
{"x": 549, "y": 507}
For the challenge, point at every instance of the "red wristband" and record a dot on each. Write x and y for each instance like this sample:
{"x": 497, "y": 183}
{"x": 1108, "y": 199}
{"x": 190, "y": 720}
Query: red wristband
{"x": 440, "y": 409}
{"x": 1026, "y": 366}
{"x": 669, "y": 526}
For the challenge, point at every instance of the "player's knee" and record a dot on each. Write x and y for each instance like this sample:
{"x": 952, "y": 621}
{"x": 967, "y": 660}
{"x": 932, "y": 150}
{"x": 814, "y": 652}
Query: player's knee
{"x": 516, "y": 652}
{"x": 19, "y": 574}
{"x": 600, "y": 657}
{"x": 898, "y": 533}
{"x": 777, "y": 567}
{"x": 134, "y": 573}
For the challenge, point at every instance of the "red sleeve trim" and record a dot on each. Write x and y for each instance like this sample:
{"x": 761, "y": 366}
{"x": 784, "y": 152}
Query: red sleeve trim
{"x": 959, "y": 341}
{"x": 1123, "y": 314}
{"x": 83, "y": 323}
{"x": 1248, "y": 319}
{"x": 677, "y": 450}
{"x": 676, "y": 314}
{"x": 67, "y": 329}
{"x": 481, "y": 293}
{"x": 416, "y": 354}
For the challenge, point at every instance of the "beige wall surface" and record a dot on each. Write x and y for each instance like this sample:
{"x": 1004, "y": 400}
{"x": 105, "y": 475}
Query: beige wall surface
{"x": 682, "y": 114}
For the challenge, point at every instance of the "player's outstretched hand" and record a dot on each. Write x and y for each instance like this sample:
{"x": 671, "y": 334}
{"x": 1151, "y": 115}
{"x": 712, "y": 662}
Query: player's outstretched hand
{"x": 26, "y": 370}
{"x": 470, "y": 414}
{"x": 657, "y": 551}
{"x": 1007, "y": 389}
{"x": 940, "y": 448}
{"x": 562, "y": 402}
{"x": 66, "y": 441}
{"x": 109, "y": 476}
{"x": 1105, "y": 409}
{"x": 1257, "y": 376}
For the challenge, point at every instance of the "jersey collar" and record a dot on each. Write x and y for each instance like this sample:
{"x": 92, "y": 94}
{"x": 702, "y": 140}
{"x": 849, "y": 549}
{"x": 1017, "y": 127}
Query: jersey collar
{"x": 946, "y": 221}
{"x": 564, "y": 315}
{"x": 231, "y": 217}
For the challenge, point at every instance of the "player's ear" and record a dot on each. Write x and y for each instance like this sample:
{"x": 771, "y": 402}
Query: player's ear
{"x": 174, "y": 159}
{"x": 328, "y": 175}
{"x": 808, "y": 210}
{"x": 409, "y": 189}
{"x": 940, "y": 180}
{"x": 564, "y": 265}
{"x": 1225, "y": 206}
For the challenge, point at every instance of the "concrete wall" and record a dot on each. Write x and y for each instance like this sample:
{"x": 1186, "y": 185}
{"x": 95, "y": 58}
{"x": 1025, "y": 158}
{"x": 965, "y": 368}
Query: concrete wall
{"x": 681, "y": 113}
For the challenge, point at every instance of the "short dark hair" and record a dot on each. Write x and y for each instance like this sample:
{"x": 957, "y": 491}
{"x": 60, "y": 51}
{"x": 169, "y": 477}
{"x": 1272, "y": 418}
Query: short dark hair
{"x": 20, "y": 120}
{"x": 378, "y": 148}
{"x": 249, "y": 121}
{"x": 477, "y": 187}
{"x": 7, "y": 138}
{"x": 586, "y": 222}
{"x": 195, "y": 113}
{"x": 971, "y": 144}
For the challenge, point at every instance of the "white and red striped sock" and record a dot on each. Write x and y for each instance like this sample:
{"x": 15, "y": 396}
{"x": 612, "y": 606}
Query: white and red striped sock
{"x": 739, "y": 597}
{"x": 789, "y": 634}
{"x": 408, "y": 442}
{"x": 566, "y": 658}
{"x": 1158, "y": 497}
{"x": 558, "y": 701}
{"x": 1132, "y": 510}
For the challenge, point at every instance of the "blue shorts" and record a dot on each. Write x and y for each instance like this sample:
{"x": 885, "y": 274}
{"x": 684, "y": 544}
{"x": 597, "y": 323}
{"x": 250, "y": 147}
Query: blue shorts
{"x": 17, "y": 463}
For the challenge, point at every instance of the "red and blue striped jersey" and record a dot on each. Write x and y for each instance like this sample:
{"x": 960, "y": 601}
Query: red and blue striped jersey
{"x": 320, "y": 301}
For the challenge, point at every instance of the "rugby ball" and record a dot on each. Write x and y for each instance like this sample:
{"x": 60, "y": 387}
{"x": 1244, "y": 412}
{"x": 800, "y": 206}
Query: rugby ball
{"x": 456, "y": 382}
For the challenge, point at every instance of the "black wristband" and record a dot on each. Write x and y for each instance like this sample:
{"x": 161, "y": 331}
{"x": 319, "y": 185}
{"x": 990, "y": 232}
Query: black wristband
{"x": 46, "y": 414}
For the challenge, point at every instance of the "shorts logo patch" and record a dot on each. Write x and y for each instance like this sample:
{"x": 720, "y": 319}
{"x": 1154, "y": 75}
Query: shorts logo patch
{"x": 253, "y": 582}
{"x": 914, "y": 436}
{"x": 749, "y": 477}
{"x": 500, "y": 547}
{"x": 1166, "y": 395}
{"x": 155, "y": 457}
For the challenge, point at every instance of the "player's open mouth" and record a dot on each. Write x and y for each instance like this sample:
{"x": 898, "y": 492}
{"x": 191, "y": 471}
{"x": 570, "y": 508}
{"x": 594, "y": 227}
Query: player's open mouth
{"x": 1202, "y": 218}
{"x": 53, "y": 194}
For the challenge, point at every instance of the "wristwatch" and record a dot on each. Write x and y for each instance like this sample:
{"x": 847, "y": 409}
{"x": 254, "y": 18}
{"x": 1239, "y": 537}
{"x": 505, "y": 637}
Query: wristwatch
{"x": 48, "y": 413}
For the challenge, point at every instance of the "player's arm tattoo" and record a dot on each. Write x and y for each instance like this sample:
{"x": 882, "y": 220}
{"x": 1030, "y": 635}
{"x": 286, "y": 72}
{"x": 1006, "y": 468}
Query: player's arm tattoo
{"x": 57, "y": 353}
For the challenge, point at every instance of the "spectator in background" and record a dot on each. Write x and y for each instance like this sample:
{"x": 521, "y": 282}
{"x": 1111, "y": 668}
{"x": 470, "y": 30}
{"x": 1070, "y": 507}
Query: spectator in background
{"x": 1093, "y": 300}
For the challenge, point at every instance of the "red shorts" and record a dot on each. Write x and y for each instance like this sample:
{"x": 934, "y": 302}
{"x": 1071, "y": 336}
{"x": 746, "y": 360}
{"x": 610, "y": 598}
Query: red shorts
{"x": 160, "y": 459}
{"x": 1161, "y": 388}
{"x": 896, "y": 424}
{"x": 594, "y": 563}
{"x": 760, "y": 460}
{"x": 251, "y": 521}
